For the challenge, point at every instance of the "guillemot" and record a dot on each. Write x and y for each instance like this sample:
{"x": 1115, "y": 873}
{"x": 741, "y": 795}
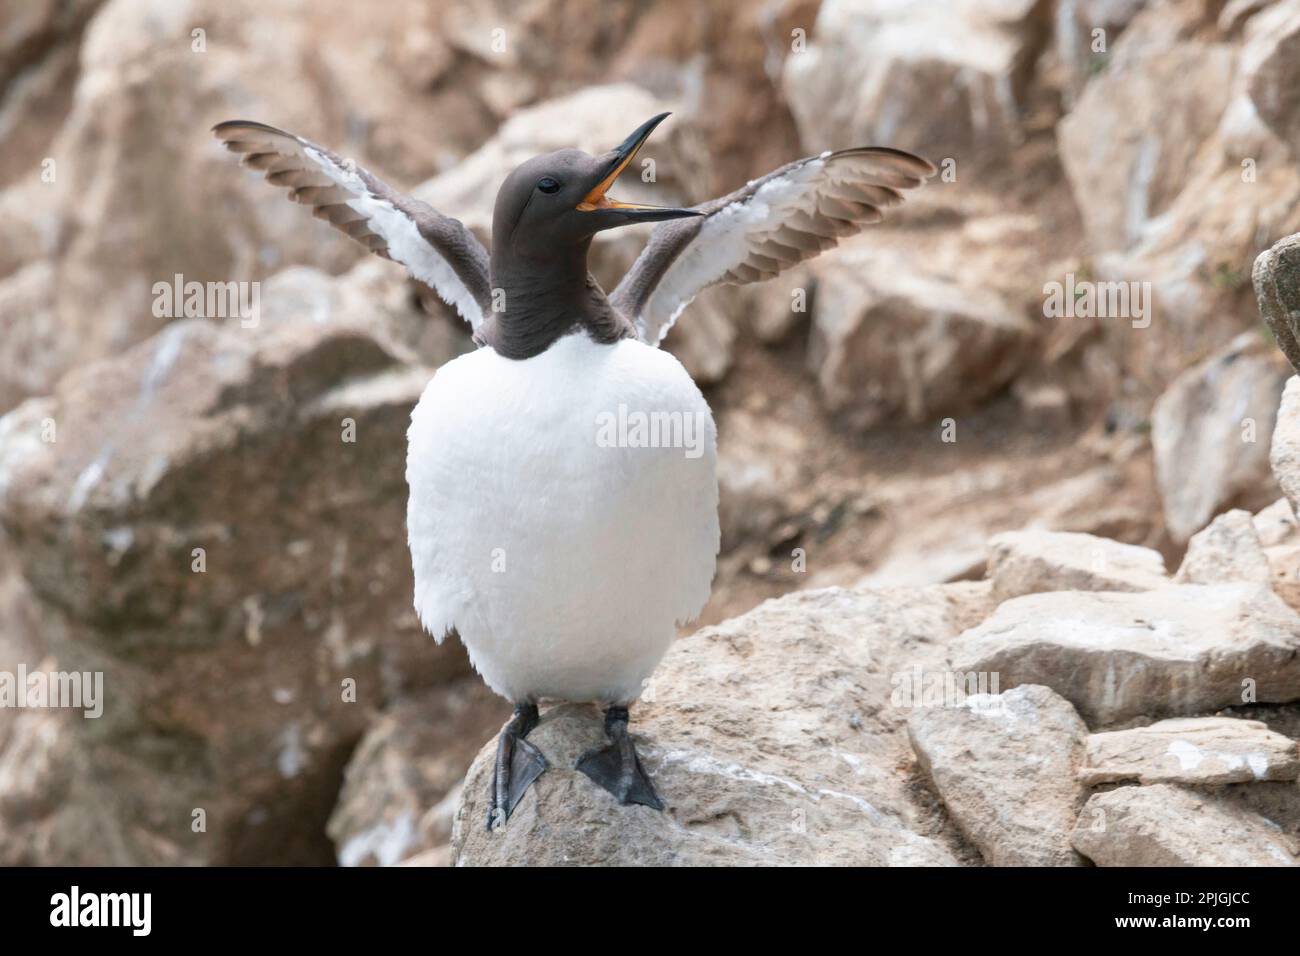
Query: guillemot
{"x": 566, "y": 562}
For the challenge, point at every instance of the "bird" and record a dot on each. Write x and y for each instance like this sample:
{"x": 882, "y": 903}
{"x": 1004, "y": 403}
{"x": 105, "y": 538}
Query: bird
{"x": 552, "y": 524}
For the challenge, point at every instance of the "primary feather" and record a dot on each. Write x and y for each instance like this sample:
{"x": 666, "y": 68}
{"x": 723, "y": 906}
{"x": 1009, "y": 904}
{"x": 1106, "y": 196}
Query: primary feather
{"x": 763, "y": 228}
{"x": 436, "y": 249}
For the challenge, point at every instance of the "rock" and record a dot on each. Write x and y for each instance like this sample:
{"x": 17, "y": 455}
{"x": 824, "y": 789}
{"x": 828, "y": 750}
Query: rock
{"x": 1276, "y": 524}
{"x": 759, "y": 471}
{"x": 703, "y": 340}
{"x": 1164, "y": 825}
{"x": 1179, "y": 183}
{"x": 939, "y": 527}
{"x": 38, "y": 69}
{"x": 1205, "y": 751}
{"x": 34, "y": 340}
{"x": 1277, "y": 529}
{"x": 1200, "y": 283}
{"x": 778, "y": 306}
{"x": 1228, "y": 550}
{"x": 721, "y": 59}
{"x": 1284, "y": 560}
{"x": 438, "y": 856}
{"x": 766, "y": 738}
{"x": 39, "y": 756}
{"x": 1273, "y": 74}
{"x": 1180, "y": 146}
{"x": 1027, "y": 562}
{"x": 402, "y": 784}
{"x": 960, "y": 557}
{"x": 1209, "y": 432}
{"x": 215, "y": 520}
{"x": 372, "y": 294}
{"x": 916, "y": 84}
{"x": 126, "y": 108}
{"x": 40, "y": 753}
{"x": 893, "y": 340}
{"x": 1044, "y": 405}
{"x": 1193, "y": 290}
{"x": 1075, "y": 35}
{"x": 1004, "y": 765}
{"x": 32, "y": 27}
{"x": 1132, "y": 140}
{"x": 1276, "y": 276}
{"x": 1176, "y": 650}
{"x": 1284, "y": 454}
{"x": 140, "y": 192}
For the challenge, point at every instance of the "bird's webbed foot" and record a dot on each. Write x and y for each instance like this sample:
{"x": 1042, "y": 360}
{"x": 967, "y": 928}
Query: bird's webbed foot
{"x": 518, "y": 764}
{"x": 616, "y": 767}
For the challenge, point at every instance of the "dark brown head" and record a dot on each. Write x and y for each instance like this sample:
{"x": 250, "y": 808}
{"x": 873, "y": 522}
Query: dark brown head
{"x": 555, "y": 203}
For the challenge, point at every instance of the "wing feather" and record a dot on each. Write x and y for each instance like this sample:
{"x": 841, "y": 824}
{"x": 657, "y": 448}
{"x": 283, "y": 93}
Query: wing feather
{"x": 767, "y": 226}
{"x": 436, "y": 249}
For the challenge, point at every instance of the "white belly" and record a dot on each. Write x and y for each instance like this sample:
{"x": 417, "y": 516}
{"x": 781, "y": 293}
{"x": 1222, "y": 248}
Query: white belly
{"x": 545, "y": 525}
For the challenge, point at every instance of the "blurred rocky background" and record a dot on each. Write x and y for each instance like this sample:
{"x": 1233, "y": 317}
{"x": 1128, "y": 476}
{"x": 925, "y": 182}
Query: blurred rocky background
{"x": 950, "y": 475}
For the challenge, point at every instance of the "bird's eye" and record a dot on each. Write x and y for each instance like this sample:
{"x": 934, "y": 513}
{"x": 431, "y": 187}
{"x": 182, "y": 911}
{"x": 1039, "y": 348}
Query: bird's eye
{"x": 548, "y": 185}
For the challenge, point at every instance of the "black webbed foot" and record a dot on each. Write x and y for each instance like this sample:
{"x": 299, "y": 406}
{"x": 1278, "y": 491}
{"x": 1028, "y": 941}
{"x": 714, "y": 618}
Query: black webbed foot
{"x": 617, "y": 767}
{"x": 518, "y": 764}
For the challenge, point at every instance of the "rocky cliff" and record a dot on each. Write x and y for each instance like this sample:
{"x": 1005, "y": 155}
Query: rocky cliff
{"x": 1032, "y": 429}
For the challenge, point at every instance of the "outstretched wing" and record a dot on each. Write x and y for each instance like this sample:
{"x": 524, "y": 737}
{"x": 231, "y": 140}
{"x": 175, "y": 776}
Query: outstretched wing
{"x": 436, "y": 249}
{"x": 770, "y": 224}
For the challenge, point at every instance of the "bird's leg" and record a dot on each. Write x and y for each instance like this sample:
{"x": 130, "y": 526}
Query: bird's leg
{"x": 518, "y": 764}
{"x": 617, "y": 767}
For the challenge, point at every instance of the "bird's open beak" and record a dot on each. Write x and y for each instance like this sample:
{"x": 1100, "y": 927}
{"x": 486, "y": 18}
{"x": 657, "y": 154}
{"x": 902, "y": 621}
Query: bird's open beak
{"x": 611, "y": 212}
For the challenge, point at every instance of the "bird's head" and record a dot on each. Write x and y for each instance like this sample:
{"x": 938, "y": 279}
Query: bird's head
{"x": 555, "y": 202}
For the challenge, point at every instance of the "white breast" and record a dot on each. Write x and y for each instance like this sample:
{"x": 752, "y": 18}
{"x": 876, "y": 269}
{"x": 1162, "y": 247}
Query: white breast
{"x": 563, "y": 514}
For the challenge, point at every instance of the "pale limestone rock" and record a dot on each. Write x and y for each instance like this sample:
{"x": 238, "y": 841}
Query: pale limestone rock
{"x": 943, "y": 76}
{"x": 402, "y": 785}
{"x": 1276, "y": 524}
{"x": 1209, "y": 431}
{"x": 1172, "y": 651}
{"x": 1284, "y": 455}
{"x": 1191, "y": 750}
{"x": 204, "y": 533}
{"x": 1004, "y": 765}
{"x": 1273, "y": 74}
{"x": 1031, "y": 561}
{"x": 1163, "y": 825}
{"x": 892, "y": 339}
{"x": 767, "y": 738}
{"x": 1228, "y": 550}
